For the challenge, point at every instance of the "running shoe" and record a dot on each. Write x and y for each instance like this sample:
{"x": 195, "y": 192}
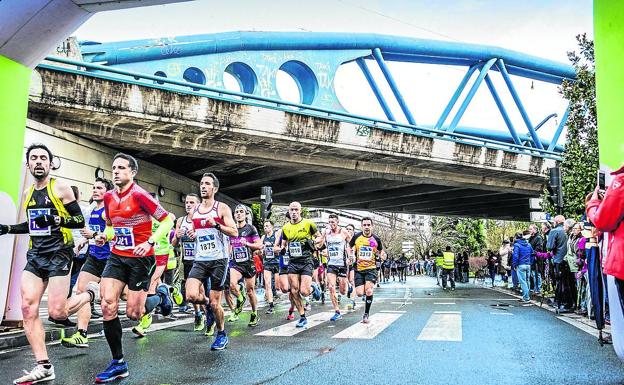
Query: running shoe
{"x": 303, "y": 322}
{"x": 176, "y": 295}
{"x": 233, "y": 317}
{"x": 290, "y": 316}
{"x": 38, "y": 374}
{"x": 316, "y": 292}
{"x": 240, "y": 303}
{"x": 349, "y": 291}
{"x": 307, "y": 306}
{"x": 184, "y": 309}
{"x": 220, "y": 342}
{"x": 64, "y": 322}
{"x": 166, "y": 302}
{"x": 253, "y": 319}
{"x": 210, "y": 330}
{"x": 270, "y": 310}
{"x": 353, "y": 304}
{"x": 75, "y": 341}
{"x": 336, "y": 317}
{"x": 114, "y": 371}
{"x": 141, "y": 329}
{"x": 199, "y": 322}
{"x": 365, "y": 318}
{"x": 93, "y": 288}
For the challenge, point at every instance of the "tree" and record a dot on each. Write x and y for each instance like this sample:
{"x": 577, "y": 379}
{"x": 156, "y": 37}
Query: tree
{"x": 579, "y": 166}
{"x": 391, "y": 235}
{"x": 470, "y": 236}
{"x": 496, "y": 231}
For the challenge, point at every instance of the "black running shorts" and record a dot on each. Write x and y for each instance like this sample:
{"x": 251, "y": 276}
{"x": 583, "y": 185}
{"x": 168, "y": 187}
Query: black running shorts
{"x": 247, "y": 270}
{"x": 273, "y": 268}
{"x": 361, "y": 277}
{"x": 55, "y": 263}
{"x": 94, "y": 266}
{"x": 340, "y": 271}
{"x": 216, "y": 270}
{"x": 301, "y": 267}
{"x": 136, "y": 272}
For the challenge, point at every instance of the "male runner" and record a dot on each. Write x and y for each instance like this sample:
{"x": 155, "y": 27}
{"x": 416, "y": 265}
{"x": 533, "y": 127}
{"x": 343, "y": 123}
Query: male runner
{"x": 271, "y": 264}
{"x": 242, "y": 264}
{"x": 51, "y": 211}
{"x": 96, "y": 260}
{"x": 300, "y": 236}
{"x": 184, "y": 227}
{"x": 367, "y": 247}
{"x": 336, "y": 240}
{"x": 129, "y": 210}
{"x": 284, "y": 259}
{"x": 212, "y": 224}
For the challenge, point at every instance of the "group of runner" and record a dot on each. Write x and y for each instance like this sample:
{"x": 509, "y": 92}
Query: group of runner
{"x": 130, "y": 238}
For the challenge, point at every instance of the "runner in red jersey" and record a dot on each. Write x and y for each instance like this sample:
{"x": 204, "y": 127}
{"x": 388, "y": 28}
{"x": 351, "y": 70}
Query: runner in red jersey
{"x": 129, "y": 211}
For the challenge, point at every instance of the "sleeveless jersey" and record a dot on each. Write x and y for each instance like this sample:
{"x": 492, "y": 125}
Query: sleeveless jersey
{"x": 268, "y": 253}
{"x": 187, "y": 244}
{"x": 44, "y": 202}
{"x": 97, "y": 223}
{"x": 366, "y": 248}
{"x": 336, "y": 246}
{"x": 242, "y": 254}
{"x": 211, "y": 244}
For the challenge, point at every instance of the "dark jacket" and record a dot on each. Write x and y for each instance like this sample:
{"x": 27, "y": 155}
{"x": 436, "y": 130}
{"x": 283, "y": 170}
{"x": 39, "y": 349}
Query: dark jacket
{"x": 522, "y": 253}
{"x": 557, "y": 243}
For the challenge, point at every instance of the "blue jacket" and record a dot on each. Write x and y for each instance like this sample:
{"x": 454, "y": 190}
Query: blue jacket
{"x": 522, "y": 253}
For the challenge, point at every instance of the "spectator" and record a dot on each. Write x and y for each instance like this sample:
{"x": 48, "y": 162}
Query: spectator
{"x": 548, "y": 273}
{"x": 557, "y": 246}
{"x": 465, "y": 267}
{"x": 504, "y": 255}
{"x": 537, "y": 267}
{"x": 492, "y": 264}
{"x": 521, "y": 262}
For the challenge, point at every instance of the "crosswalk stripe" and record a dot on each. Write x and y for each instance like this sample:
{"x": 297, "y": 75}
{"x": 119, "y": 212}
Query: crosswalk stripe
{"x": 289, "y": 329}
{"x": 442, "y": 326}
{"x": 378, "y": 322}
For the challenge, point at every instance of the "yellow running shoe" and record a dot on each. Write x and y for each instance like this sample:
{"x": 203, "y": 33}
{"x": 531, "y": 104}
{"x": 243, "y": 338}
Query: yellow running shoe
{"x": 141, "y": 329}
{"x": 210, "y": 331}
{"x": 75, "y": 341}
{"x": 177, "y": 296}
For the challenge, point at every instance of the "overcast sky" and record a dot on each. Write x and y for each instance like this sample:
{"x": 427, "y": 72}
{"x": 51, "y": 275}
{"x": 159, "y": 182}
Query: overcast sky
{"x": 543, "y": 28}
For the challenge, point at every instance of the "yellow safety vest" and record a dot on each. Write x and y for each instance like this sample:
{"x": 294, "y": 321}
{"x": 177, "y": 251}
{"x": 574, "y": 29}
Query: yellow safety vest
{"x": 439, "y": 259}
{"x": 449, "y": 260}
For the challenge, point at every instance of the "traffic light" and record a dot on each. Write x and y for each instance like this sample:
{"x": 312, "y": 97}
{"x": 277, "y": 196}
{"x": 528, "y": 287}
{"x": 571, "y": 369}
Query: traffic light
{"x": 555, "y": 191}
{"x": 266, "y": 203}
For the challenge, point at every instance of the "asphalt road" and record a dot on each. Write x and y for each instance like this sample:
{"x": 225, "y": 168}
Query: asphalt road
{"x": 418, "y": 334}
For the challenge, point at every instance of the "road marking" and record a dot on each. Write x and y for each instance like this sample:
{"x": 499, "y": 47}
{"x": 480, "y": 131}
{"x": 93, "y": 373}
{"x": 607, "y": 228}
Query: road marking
{"x": 378, "y": 323}
{"x": 444, "y": 303}
{"x": 400, "y": 303}
{"x": 495, "y": 313}
{"x": 289, "y": 329}
{"x": 442, "y": 326}
{"x": 393, "y": 311}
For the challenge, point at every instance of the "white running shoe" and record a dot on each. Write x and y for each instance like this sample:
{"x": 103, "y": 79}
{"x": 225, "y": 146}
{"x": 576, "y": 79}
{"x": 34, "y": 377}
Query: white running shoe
{"x": 38, "y": 374}
{"x": 94, "y": 287}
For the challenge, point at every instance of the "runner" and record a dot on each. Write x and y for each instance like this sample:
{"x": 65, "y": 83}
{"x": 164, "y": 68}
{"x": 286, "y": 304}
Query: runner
{"x": 129, "y": 209}
{"x": 212, "y": 224}
{"x": 284, "y": 259}
{"x": 184, "y": 227}
{"x": 51, "y": 211}
{"x": 271, "y": 265}
{"x": 298, "y": 235}
{"x": 367, "y": 247}
{"x": 242, "y": 265}
{"x": 94, "y": 265}
{"x": 351, "y": 266}
{"x": 162, "y": 249}
{"x": 336, "y": 241}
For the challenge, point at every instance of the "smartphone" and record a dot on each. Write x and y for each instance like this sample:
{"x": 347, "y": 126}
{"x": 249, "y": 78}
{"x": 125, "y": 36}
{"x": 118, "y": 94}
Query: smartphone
{"x": 602, "y": 181}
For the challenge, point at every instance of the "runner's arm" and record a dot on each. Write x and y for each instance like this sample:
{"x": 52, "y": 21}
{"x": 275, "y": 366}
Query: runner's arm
{"x": 229, "y": 226}
{"x": 21, "y": 228}
{"x": 174, "y": 241}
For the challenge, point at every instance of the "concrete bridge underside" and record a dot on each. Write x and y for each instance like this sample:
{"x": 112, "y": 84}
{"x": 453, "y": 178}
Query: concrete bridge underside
{"x": 319, "y": 162}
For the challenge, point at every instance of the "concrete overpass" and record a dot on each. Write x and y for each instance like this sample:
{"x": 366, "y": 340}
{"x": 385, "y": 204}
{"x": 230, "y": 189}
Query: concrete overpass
{"x": 319, "y": 161}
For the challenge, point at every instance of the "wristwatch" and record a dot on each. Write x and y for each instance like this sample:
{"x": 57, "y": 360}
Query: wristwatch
{"x": 217, "y": 226}
{"x": 151, "y": 242}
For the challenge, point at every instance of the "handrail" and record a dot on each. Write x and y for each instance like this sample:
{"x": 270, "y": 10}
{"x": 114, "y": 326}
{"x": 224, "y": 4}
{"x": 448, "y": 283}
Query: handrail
{"x": 277, "y": 104}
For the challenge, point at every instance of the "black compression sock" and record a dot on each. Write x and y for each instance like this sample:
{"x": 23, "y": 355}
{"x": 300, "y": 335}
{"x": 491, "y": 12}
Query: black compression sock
{"x": 82, "y": 332}
{"x": 112, "y": 331}
{"x": 369, "y": 302}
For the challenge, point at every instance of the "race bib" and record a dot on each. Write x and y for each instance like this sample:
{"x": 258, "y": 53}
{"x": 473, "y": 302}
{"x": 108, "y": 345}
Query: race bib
{"x": 268, "y": 252}
{"x": 295, "y": 249}
{"x": 94, "y": 228}
{"x": 188, "y": 249}
{"x": 206, "y": 244}
{"x": 33, "y": 229}
{"x": 124, "y": 238}
{"x": 366, "y": 253}
{"x": 285, "y": 259}
{"x": 333, "y": 252}
{"x": 241, "y": 254}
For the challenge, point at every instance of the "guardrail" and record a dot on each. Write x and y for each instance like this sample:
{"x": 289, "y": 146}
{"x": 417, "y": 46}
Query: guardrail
{"x": 104, "y": 72}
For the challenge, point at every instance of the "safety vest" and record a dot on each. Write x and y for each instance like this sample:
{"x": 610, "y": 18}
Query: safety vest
{"x": 449, "y": 260}
{"x": 439, "y": 260}
{"x": 172, "y": 262}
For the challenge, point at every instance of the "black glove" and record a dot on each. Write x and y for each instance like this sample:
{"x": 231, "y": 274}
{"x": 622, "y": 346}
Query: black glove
{"x": 45, "y": 220}
{"x": 4, "y": 229}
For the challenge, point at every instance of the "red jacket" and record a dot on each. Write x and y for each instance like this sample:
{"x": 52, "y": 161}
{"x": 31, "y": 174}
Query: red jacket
{"x": 607, "y": 216}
